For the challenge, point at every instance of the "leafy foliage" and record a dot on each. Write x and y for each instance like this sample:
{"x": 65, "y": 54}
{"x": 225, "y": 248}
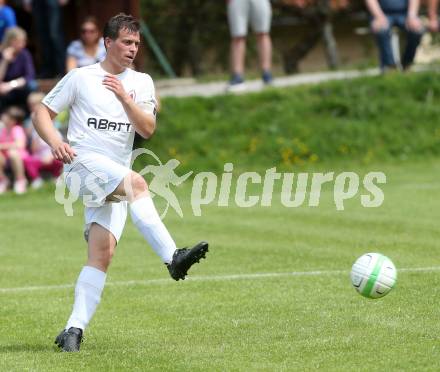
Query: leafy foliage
{"x": 185, "y": 28}
{"x": 362, "y": 120}
{"x": 195, "y": 37}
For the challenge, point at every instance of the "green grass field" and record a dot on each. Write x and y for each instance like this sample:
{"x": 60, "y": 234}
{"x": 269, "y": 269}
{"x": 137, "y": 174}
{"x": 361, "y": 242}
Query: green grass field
{"x": 273, "y": 294}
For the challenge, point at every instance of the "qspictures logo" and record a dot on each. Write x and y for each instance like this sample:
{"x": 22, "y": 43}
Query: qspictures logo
{"x": 244, "y": 190}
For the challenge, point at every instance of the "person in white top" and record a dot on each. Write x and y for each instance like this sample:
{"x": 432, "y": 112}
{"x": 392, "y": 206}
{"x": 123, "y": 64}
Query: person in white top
{"x": 108, "y": 103}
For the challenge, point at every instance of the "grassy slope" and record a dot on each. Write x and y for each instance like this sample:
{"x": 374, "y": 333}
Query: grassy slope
{"x": 366, "y": 119}
{"x": 281, "y": 323}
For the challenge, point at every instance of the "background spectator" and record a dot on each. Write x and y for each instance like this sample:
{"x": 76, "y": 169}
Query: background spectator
{"x": 87, "y": 50}
{"x": 34, "y": 99}
{"x": 13, "y": 150}
{"x": 433, "y": 23}
{"x": 7, "y": 18}
{"x": 47, "y": 16}
{"x": 402, "y": 14}
{"x": 41, "y": 158}
{"x": 259, "y": 12}
{"x": 17, "y": 73}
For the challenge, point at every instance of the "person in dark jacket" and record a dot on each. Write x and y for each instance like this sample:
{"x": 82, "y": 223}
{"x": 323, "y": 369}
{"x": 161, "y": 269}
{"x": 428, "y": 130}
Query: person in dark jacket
{"x": 17, "y": 72}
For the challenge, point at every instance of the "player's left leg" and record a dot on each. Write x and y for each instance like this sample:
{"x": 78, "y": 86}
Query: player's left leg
{"x": 148, "y": 222}
{"x": 89, "y": 286}
{"x": 145, "y": 217}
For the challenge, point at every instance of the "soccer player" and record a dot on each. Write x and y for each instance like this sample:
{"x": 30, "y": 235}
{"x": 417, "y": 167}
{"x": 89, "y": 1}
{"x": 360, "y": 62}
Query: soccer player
{"x": 108, "y": 103}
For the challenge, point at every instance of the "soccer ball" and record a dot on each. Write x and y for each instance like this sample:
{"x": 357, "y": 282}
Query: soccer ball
{"x": 373, "y": 275}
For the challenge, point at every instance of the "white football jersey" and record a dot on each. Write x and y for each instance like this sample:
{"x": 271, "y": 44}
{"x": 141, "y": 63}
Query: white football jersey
{"x": 98, "y": 122}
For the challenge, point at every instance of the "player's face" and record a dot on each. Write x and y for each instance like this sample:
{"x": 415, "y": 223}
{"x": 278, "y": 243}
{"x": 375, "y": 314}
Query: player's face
{"x": 124, "y": 48}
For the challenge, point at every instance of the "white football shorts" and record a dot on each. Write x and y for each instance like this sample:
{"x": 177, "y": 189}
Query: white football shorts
{"x": 92, "y": 177}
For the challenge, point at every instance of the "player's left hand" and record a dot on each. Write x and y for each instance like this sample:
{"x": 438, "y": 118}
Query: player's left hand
{"x": 111, "y": 82}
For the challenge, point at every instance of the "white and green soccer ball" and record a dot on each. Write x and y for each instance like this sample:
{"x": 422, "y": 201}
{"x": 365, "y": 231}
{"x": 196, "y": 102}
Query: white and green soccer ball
{"x": 373, "y": 275}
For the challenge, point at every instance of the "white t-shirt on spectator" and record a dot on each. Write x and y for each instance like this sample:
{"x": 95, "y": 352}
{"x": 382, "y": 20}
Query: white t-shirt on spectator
{"x": 77, "y": 51}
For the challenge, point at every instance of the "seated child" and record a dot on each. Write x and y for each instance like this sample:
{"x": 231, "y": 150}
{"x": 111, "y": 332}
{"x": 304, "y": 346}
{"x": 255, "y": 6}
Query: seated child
{"x": 13, "y": 151}
{"x": 41, "y": 158}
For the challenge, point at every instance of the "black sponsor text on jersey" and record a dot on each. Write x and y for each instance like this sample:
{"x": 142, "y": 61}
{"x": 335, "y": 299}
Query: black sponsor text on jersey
{"x": 105, "y": 124}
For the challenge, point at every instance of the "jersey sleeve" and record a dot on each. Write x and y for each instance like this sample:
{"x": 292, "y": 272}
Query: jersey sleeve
{"x": 63, "y": 94}
{"x": 147, "y": 97}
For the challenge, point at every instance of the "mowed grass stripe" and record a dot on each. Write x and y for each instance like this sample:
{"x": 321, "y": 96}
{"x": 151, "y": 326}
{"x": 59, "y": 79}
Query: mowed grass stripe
{"x": 217, "y": 278}
{"x": 271, "y": 295}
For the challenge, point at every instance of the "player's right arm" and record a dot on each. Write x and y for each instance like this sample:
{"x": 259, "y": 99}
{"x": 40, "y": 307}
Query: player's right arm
{"x": 62, "y": 96}
{"x": 43, "y": 123}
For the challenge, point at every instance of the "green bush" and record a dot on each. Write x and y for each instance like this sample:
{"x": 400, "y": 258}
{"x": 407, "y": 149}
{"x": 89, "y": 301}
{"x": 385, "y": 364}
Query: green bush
{"x": 363, "y": 120}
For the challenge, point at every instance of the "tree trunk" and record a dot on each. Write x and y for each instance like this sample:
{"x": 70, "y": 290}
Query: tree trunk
{"x": 294, "y": 55}
{"x": 195, "y": 53}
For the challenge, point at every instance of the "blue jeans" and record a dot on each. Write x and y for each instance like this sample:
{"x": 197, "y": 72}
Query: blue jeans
{"x": 383, "y": 39}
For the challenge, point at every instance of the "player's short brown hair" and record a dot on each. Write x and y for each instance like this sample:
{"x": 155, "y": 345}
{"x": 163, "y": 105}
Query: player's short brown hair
{"x": 120, "y": 22}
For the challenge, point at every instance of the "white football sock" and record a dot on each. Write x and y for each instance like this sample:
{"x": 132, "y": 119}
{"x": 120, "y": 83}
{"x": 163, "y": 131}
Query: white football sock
{"x": 88, "y": 291}
{"x": 148, "y": 222}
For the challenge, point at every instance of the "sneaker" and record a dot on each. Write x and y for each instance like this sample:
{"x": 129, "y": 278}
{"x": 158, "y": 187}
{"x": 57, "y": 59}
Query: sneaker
{"x": 4, "y": 183}
{"x": 236, "y": 84}
{"x": 20, "y": 186}
{"x": 267, "y": 77}
{"x": 69, "y": 340}
{"x": 37, "y": 183}
{"x": 236, "y": 79}
{"x": 391, "y": 69}
{"x": 184, "y": 258}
